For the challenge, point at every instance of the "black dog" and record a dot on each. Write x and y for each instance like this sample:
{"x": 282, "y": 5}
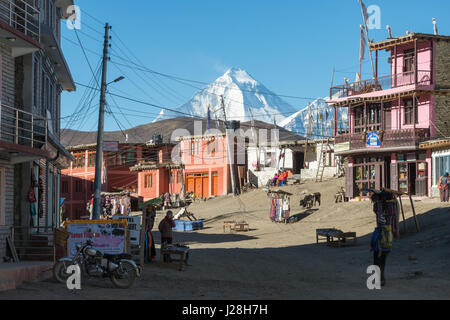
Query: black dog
{"x": 310, "y": 200}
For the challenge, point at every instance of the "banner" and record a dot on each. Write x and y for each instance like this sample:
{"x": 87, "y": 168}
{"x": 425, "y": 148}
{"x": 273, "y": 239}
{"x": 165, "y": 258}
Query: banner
{"x": 107, "y": 236}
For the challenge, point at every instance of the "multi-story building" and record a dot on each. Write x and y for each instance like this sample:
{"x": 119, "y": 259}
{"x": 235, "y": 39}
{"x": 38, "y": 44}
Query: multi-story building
{"x": 34, "y": 72}
{"x": 205, "y": 168}
{"x": 390, "y": 116}
{"x": 77, "y": 183}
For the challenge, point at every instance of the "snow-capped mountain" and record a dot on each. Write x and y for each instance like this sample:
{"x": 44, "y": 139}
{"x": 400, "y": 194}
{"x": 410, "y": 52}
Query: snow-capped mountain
{"x": 315, "y": 120}
{"x": 241, "y": 92}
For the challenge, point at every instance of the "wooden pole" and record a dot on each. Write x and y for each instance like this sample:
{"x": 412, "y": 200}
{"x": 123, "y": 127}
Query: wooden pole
{"x": 414, "y": 214}
{"x": 142, "y": 237}
{"x": 403, "y": 213}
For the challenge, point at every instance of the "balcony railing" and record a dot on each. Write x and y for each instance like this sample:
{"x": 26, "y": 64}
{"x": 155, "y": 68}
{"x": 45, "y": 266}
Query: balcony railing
{"x": 21, "y": 15}
{"x": 381, "y": 83}
{"x": 22, "y": 128}
{"x": 389, "y": 139}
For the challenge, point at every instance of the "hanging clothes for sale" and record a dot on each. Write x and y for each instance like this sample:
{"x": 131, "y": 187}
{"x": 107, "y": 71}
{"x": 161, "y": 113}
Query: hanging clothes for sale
{"x": 279, "y": 206}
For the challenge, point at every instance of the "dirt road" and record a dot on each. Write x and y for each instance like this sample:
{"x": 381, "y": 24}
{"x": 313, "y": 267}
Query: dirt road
{"x": 278, "y": 261}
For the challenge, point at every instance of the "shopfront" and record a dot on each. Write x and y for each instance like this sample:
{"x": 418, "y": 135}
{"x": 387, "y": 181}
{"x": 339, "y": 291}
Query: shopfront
{"x": 407, "y": 172}
{"x": 412, "y": 173}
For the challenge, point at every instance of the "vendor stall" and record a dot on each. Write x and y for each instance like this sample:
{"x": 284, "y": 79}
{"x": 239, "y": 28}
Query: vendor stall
{"x": 280, "y": 207}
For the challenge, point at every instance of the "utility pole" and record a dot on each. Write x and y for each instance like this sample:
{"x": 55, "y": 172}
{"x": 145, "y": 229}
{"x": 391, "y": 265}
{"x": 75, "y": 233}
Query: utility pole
{"x": 230, "y": 155}
{"x": 255, "y": 138}
{"x": 98, "y": 158}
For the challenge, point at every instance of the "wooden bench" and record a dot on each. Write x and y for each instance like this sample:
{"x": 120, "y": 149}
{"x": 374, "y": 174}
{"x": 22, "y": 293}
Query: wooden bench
{"x": 336, "y": 238}
{"x": 235, "y": 226}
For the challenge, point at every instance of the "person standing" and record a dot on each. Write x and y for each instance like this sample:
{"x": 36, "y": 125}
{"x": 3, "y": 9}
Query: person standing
{"x": 165, "y": 227}
{"x": 167, "y": 201}
{"x": 382, "y": 237}
{"x": 444, "y": 186}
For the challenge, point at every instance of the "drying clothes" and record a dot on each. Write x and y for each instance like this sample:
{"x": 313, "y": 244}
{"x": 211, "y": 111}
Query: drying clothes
{"x": 279, "y": 209}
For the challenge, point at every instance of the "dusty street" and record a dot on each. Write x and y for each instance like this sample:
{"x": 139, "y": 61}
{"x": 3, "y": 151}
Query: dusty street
{"x": 278, "y": 261}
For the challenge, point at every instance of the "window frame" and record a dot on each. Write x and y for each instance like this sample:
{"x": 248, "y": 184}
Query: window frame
{"x": 148, "y": 183}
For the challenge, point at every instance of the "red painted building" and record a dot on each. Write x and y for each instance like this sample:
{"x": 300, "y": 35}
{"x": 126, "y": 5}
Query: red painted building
{"x": 205, "y": 171}
{"x": 78, "y": 180}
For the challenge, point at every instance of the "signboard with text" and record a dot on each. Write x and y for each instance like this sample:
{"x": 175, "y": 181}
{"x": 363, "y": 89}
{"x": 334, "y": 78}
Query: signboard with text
{"x": 111, "y": 146}
{"x": 107, "y": 236}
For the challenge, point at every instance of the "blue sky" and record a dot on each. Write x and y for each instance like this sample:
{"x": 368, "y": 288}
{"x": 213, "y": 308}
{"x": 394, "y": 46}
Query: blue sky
{"x": 289, "y": 46}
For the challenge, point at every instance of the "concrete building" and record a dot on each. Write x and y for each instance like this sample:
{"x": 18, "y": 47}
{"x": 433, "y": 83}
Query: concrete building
{"x": 390, "y": 116}
{"x": 300, "y": 157}
{"x": 33, "y": 75}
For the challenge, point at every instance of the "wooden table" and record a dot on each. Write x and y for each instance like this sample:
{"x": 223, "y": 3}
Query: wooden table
{"x": 175, "y": 250}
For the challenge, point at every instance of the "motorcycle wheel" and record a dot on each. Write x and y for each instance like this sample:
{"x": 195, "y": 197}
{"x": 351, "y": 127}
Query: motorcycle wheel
{"x": 60, "y": 271}
{"x": 124, "y": 276}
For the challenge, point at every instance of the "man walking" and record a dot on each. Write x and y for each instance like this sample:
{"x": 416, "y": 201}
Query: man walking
{"x": 444, "y": 186}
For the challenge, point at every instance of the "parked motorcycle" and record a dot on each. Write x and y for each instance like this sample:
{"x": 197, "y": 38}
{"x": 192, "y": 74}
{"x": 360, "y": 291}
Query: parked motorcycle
{"x": 120, "y": 268}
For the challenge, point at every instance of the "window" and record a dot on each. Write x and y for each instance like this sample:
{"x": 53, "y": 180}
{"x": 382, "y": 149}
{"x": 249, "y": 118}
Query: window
{"x": 195, "y": 147}
{"x": 79, "y": 186}
{"x": 408, "y": 60}
{"x": 65, "y": 187}
{"x": 411, "y": 113}
{"x": 91, "y": 159}
{"x": 442, "y": 165}
{"x": 148, "y": 181}
{"x": 359, "y": 119}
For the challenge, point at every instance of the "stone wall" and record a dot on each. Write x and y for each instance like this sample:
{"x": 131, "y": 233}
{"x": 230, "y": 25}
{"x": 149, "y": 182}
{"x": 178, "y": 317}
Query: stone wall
{"x": 442, "y": 65}
{"x": 442, "y": 115}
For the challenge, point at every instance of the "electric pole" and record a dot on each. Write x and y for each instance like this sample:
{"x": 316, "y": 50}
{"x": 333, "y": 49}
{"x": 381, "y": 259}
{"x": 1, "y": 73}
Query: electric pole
{"x": 230, "y": 155}
{"x": 98, "y": 158}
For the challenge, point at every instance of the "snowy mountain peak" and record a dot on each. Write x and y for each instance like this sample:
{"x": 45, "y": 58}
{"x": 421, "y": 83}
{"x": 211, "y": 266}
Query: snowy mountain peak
{"x": 240, "y": 76}
{"x": 243, "y": 95}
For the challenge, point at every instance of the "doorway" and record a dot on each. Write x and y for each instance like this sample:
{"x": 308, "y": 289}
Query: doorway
{"x": 412, "y": 167}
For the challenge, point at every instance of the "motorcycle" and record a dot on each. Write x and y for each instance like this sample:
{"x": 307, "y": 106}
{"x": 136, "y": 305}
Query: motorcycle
{"x": 120, "y": 268}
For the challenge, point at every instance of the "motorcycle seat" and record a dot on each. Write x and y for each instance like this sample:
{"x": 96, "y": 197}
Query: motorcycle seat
{"x": 125, "y": 256}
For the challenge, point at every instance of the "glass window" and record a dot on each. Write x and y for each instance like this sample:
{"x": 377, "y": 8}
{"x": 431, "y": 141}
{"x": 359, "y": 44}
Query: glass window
{"x": 148, "y": 181}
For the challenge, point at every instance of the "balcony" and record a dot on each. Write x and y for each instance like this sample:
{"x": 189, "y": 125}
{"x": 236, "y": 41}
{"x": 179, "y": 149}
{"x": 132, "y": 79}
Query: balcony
{"x": 382, "y": 83}
{"x": 404, "y": 138}
{"x": 20, "y": 26}
{"x": 21, "y": 128}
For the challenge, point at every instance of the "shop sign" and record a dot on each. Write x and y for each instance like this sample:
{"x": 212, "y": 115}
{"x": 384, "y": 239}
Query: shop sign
{"x": 341, "y": 147}
{"x": 411, "y": 157}
{"x": 107, "y": 236}
{"x": 373, "y": 140}
{"x": 111, "y": 146}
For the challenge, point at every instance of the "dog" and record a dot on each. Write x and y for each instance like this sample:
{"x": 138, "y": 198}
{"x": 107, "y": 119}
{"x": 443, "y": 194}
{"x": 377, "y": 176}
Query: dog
{"x": 310, "y": 200}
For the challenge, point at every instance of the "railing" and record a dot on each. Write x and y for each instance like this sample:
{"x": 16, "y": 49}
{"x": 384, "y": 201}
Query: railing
{"x": 22, "y": 128}
{"x": 389, "y": 139}
{"x": 34, "y": 243}
{"x": 23, "y": 16}
{"x": 381, "y": 83}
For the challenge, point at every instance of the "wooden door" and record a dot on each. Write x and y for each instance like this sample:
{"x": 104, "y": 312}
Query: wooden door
{"x": 215, "y": 184}
{"x": 205, "y": 186}
{"x": 190, "y": 184}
